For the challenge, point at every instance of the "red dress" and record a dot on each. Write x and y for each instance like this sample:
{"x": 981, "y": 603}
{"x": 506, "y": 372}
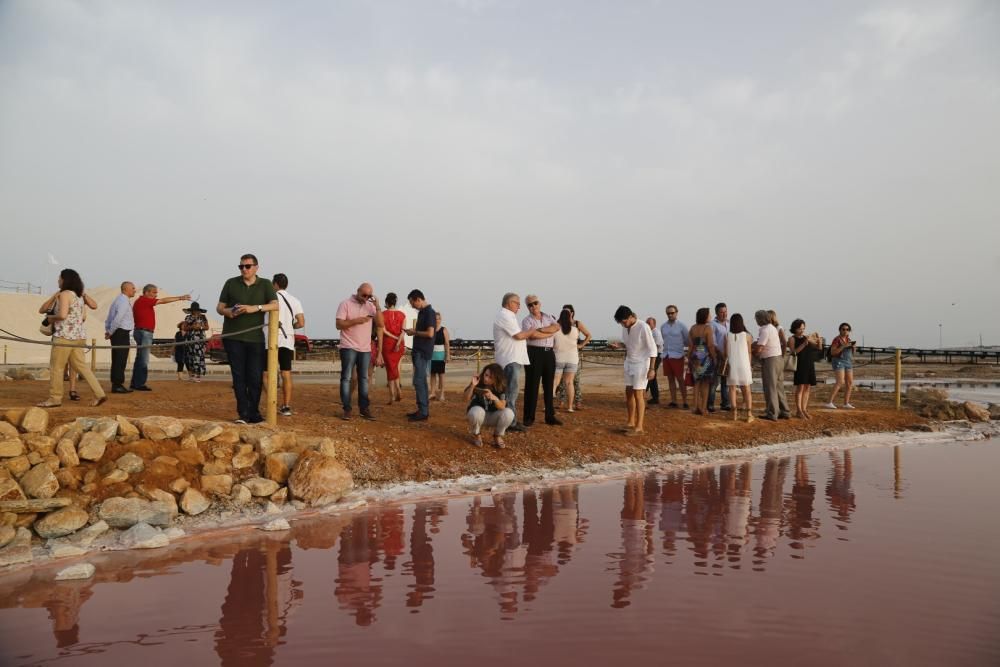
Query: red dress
{"x": 393, "y": 320}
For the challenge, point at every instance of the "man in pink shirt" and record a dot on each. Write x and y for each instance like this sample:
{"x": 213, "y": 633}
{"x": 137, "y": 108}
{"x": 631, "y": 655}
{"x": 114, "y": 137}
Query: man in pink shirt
{"x": 356, "y": 316}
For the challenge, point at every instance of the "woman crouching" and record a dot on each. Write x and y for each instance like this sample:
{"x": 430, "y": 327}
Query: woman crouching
{"x": 488, "y": 405}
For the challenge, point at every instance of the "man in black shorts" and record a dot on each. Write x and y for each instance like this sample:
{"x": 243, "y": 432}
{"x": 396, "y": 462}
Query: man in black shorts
{"x": 290, "y": 318}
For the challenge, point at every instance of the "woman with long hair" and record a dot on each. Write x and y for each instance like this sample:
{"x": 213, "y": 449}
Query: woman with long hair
{"x": 65, "y": 310}
{"x": 842, "y": 356}
{"x": 393, "y": 345}
{"x": 739, "y": 376}
{"x": 567, "y": 353}
{"x": 194, "y": 326}
{"x": 702, "y": 357}
{"x": 487, "y": 396}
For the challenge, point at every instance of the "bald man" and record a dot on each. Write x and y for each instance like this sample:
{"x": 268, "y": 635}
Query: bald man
{"x": 356, "y": 317}
{"x": 118, "y": 329}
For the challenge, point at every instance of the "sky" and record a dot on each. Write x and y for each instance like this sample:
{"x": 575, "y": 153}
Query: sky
{"x": 834, "y": 161}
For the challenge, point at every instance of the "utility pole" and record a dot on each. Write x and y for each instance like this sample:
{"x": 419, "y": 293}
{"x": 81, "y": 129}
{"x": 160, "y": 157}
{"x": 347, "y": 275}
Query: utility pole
{"x": 940, "y": 337}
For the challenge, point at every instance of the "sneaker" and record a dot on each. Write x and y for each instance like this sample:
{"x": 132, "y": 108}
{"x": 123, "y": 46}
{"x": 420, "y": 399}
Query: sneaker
{"x": 830, "y": 406}
{"x": 346, "y": 416}
{"x": 143, "y": 388}
{"x": 418, "y": 417}
{"x": 848, "y": 406}
{"x": 256, "y": 420}
{"x": 285, "y": 411}
{"x": 365, "y": 414}
{"x": 553, "y": 422}
{"x": 517, "y": 428}
{"x": 240, "y": 421}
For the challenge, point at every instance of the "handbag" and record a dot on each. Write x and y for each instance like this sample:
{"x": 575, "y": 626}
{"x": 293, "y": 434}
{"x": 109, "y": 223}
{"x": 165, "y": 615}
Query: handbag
{"x": 791, "y": 362}
{"x": 47, "y": 328}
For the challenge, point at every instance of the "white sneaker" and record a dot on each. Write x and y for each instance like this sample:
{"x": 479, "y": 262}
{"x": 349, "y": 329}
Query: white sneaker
{"x": 848, "y": 406}
{"x": 830, "y": 406}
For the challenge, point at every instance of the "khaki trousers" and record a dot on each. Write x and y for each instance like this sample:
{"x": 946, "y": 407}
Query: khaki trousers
{"x": 63, "y": 355}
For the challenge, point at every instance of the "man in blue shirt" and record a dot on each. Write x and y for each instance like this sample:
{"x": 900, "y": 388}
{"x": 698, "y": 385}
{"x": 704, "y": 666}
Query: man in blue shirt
{"x": 423, "y": 348}
{"x": 675, "y": 338}
{"x": 118, "y": 329}
{"x": 720, "y": 327}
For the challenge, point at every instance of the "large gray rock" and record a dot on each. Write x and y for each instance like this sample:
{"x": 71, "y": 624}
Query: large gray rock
{"x": 260, "y": 487}
{"x": 39, "y": 482}
{"x": 143, "y": 536}
{"x": 91, "y": 447}
{"x": 130, "y": 463}
{"x": 11, "y": 447}
{"x": 194, "y": 502}
{"x": 61, "y": 522}
{"x": 78, "y": 571}
{"x": 319, "y": 479}
{"x": 126, "y": 429}
{"x": 106, "y": 427}
{"x": 87, "y": 536}
{"x": 35, "y": 420}
{"x": 126, "y": 512}
{"x": 161, "y": 428}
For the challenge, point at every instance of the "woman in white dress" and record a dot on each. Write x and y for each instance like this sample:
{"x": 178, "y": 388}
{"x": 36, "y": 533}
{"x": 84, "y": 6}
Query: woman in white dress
{"x": 738, "y": 343}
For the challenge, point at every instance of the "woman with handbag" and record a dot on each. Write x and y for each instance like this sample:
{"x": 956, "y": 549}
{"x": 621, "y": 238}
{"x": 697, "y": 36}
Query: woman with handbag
{"x": 802, "y": 349}
{"x": 65, "y": 312}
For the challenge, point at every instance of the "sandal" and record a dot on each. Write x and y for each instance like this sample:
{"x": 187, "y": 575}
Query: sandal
{"x": 477, "y": 440}
{"x": 73, "y": 396}
{"x": 498, "y": 442}
{"x": 48, "y": 404}
{"x": 98, "y": 401}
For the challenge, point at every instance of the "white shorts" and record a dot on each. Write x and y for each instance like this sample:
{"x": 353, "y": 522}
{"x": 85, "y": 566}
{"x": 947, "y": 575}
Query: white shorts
{"x": 636, "y": 374}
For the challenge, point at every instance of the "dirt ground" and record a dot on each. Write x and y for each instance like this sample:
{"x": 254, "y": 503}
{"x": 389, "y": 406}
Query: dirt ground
{"x": 391, "y": 449}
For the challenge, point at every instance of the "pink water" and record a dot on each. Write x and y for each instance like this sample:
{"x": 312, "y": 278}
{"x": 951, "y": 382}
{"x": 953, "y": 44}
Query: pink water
{"x": 882, "y": 556}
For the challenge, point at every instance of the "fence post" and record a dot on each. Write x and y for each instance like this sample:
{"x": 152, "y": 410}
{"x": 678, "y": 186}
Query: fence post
{"x": 272, "y": 368}
{"x": 4, "y": 355}
{"x": 93, "y": 354}
{"x": 479, "y": 355}
{"x": 899, "y": 377}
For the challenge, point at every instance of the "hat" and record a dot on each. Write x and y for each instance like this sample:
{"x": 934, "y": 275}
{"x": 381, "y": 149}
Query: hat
{"x": 195, "y": 308}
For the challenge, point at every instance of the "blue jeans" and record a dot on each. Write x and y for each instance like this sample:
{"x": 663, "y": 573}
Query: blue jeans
{"x": 421, "y": 365}
{"x": 512, "y": 374}
{"x": 723, "y": 388}
{"x": 348, "y": 360}
{"x": 140, "y": 369}
{"x": 246, "y": 363}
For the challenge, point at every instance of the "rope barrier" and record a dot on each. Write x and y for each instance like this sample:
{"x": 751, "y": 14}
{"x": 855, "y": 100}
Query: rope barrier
{"x": 21, "y": 339}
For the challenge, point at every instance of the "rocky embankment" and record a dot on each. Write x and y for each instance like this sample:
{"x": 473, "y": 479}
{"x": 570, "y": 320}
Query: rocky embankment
{"x": 934, "y": 404}
{"x": 138, "y": 483}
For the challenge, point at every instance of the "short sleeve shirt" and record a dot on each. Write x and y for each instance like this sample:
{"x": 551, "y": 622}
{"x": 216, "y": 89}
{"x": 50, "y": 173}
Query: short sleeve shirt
{"x": 426, "y": 319}
{"x": 768, "y": 341}
{"x": 507, "y": 350}
{"x": 288, "y": 308}
{"x": 358, "y": 337}
{"x": 143, "y": 313}
{"x": 259, "y": 293}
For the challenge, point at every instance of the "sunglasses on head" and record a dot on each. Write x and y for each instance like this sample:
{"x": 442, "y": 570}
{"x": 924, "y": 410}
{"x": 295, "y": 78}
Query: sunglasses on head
{"x": 245, "y": 267}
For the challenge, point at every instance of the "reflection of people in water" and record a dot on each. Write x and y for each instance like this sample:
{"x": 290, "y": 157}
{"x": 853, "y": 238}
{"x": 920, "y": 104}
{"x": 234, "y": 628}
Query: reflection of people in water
{"x": 735, "y": 484}
{"x": 421, "y": 563}
{"x": 492, "y": 544}
{"x": 539, "y": 537}
{"x": 252, "y": 623}
{"x": 801, "y": 524}
{"x": 672, "y": 512}
{"x": 569, "y": 530}
{"x": 838, "y": 489}
{"x": 355, "y": 589}
{"x": 769, "y": 522}
{"x": 63, "y": 605}
{"x": 634, "y": 559}
{"x": 704, "y": 513}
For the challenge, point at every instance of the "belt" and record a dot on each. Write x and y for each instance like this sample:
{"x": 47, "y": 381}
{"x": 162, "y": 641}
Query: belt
{"x": 540, "y": 348}
{"x": 139, "y": 329}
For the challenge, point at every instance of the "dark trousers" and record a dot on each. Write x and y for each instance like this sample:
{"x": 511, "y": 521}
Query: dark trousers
{"x": 542, "y": 368}
{"x": 246, "y": 363}
{"x": 119, "y": 358}
{"x": 653, "y": 385}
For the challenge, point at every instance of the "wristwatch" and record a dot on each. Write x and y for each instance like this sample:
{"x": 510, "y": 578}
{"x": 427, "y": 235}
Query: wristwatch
{"x": 259, "y": 307}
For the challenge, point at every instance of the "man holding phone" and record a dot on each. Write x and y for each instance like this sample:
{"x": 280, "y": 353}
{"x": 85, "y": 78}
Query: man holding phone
{"x": 243, "y": 302}
{"x": 355, "y": 316}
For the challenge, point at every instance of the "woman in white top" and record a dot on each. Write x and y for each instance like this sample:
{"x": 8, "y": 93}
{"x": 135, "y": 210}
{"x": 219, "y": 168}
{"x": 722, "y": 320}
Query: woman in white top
{"x": 564, "y": 343}
{"x": 738, "y": 343}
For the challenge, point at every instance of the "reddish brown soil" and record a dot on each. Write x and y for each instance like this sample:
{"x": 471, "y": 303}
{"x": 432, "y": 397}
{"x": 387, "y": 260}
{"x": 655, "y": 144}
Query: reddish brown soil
{"x": 390, "y": 449}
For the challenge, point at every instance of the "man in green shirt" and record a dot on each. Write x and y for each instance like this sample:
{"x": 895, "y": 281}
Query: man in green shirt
{"x": 243, "y": 302}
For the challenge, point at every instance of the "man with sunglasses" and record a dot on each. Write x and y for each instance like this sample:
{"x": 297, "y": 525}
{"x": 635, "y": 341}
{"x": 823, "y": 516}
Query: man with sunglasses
{"x": 357, "y": 317}
{"x": 243, "y": 302}
{"x": 541, "y": 362}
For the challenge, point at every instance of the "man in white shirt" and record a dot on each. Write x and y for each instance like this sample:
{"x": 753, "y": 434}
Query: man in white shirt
{"x": 510, "y": 349}
{"x": 772, "y": 367}
{"x": 675, "y": 338}
{"x": 654, "y": 386}
{"x": 640, "y": 365}
{"x": 720, "y": 327}
{"x": 290, "y": 318}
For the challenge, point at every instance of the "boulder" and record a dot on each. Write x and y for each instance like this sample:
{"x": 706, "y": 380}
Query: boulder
{"x": 276, "y": 524}
{"x": 8, "y": 431}
{"x": 179, "y": 485}
{"x": 240, "y": 495}
{"x": 318, "y": 479}
{"x": 11, "y": 448}
{"x": 215, "y": 468}
{"x": 280, "y": 496}
{"x": 994, "y": 411}
{"x": 91, "y": 447}
{"x": 193, "y": 502}
{"x": 106, "y": 427}
{"x": 18, "y": 550}
{"x": 206, "y": 432}
{"x": 244, "y": 457}
{"x": 63, "y": 548}
{"x": 39, "y": 482}
{"x": 35, "y": 420}
{"x": 17, "y": 465}
{"x": 66, "y": 451}
{"x": 191, "y": 457}
{"x": 327, "y": 446}
{"x": 13, "y": 416}
{"x": 161, "y": 496}
{"x": 60, "y": 431}
{"x": 227, "y": 436}
{"x": 87, "y": 536}
{"x": 42, "y": 444}
{"x": 61, "y": 522}
{"x": 277, "y": 442}
{"x": 120, "y": 512}
{"x": 116, "y": 476}
{"x": 260, "y": 487}
{"x": 130, "y": 463}
{"x": 34, "y": 458}
{"x": 143, "y": 536}
{"x": 126, "y": 428}
{"x": 7, "y": 534}
{"x": 78, "y": 571}
{"x": 926, "y": 395}
{"x": 279, "y": 466}
{"x": 52, "y": 461}
{"x": 8, "y": 518}
{"x": 219, "y": 485}
{"x": 174, "y": 533}
{"x": 975, "y": 412}
{"x": 69, "y": 478}
{"x": 11, "y": 490}
{"x": 160, "y": 428}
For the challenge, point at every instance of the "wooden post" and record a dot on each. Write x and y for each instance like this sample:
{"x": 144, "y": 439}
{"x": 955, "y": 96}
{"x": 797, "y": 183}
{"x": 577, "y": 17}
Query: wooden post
{"x": 93, "y": 354}
{"x": 899, "y": 377}
{"x": 479, "y": 359}
{"x": 4, "y": 355}
{"x": 272, "y": 368}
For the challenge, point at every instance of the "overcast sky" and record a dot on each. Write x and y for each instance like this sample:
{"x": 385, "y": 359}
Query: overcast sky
{"x": 831, "y": 160}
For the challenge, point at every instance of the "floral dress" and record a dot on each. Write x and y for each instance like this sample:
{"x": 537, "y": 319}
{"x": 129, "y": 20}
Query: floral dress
{"x": 194, "y": 359}
{"x": 702, "y": 364}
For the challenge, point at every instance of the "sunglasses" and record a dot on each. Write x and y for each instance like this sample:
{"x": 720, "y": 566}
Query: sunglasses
{"x": 532, "y": 304}
{"x": 671, "y": 312}
{"x": 845, "y": 329}
{"x": 245, "y": 267}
